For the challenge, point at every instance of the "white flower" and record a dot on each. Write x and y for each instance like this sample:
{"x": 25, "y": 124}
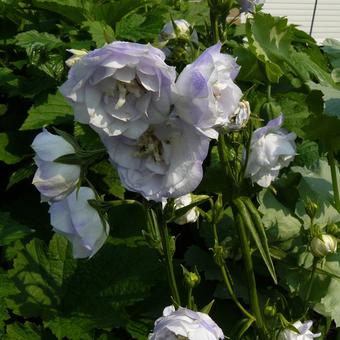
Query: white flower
{"x": 53, "y": 180}
{"x": 121, "y": 88}
{"x": 303, "y": 328}
{"x": 271, "y": 149}
{"x": 205, "y": 95}
{"x": 182, "y": 29}
{"x": 184, "y": 323}
{"x": 77, "y": 55}
{"x": 323, "y": 245}
{"x": 190, "y": 216}
{"x": 81, "y": 224}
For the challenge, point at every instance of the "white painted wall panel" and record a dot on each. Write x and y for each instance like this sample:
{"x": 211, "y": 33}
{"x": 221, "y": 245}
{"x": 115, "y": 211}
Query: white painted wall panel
{"x": 327, "y": 18}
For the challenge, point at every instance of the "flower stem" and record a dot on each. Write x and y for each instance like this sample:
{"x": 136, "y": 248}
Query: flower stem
{"x": 227, "y": 280}
{"x": 254, "y": 300}
{"x": 214, "y": 22}
{"x": 331, "y": 161}
{"x": 165, "y": 238}
{"x": 311, "y": 279}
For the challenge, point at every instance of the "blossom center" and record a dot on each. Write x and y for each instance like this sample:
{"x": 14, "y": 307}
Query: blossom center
{"x": 150, "y": 145}
{"x": 125, "y": 88}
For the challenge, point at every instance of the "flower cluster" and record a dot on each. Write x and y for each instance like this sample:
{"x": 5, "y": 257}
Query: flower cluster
{"x": 156, "y": 129}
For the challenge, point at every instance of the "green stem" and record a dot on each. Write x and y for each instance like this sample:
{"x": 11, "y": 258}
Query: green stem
{"x": 331, "y": 161}
{"x": 214, "y": 25}
{"x": 228, "y": 282}
{"x": 164, "y": 233}
{"x": 190, "y": 298}
{"x": 311, "y": 279}
{"x": 248, "y": 263}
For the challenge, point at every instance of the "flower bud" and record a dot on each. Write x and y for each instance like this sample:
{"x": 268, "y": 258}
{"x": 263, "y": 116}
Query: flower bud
{"x": 182, "y": 29}
{"x": 192, "y": 279}
{"x": 270, "y": 311}
{"x": 323, "y": 245}
{"x": 77, "y": 55}
{"x": 311, "y": 208}
{"x": 332, "y": 229}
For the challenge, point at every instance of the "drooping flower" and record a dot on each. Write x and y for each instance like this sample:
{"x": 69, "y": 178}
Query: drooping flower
{"x": 121, "y": 88}
{"x": 272, "y": 148}
{"x": 205, "y": 95}
{"x": 81, "y": 224}
{"x": 184, "y": 323}
{"x": 54, "y": 180}
{"x": 303, "y": 328}
{"x": 166, "y": 161}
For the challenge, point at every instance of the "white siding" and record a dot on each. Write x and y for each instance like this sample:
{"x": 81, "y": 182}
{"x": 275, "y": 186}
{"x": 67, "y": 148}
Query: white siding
{"x": 327, "y": 17}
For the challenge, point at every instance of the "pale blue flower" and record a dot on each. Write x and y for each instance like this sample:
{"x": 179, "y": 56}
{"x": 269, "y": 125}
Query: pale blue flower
{"x": 81, "y": 224}
{"x": 205, "y": 94}
{"x": 272, "y": 148}
{"x": 249, "y": 5}
{"x": 166, "y": 161}
{"x": 121, "y": 88}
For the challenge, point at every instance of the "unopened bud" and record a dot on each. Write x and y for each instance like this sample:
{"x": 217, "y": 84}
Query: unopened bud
{"x": 77, "y": 55}
{"x": 240, "y": 117}
{"x": 323, "y": 245}
{"x": 332, "y": 229}
{"x": 270, "y": 311}
{"x": 178, "y": 29}
{"x": 311, "y": 208}
{"x": 192, "y": 279}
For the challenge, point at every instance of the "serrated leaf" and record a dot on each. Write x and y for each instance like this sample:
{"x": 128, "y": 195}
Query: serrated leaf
{"x": 332, "y": 48}
{"x": 23, "y": 331}
{"x": 34, "y": 38}
{"x": 101, "y": 33}
{"x": 39, "y": 275}
{"x": 307, "y": 154}
{"x": 10, "y": 230}
{"x": 55, "y": 111}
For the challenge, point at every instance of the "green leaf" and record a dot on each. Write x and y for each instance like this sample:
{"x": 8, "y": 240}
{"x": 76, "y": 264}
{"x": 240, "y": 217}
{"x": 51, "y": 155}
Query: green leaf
{"x": 86, "y": 137}
{"x": 55, "y": 111}
{"x": 317, "y": 186}
{"x": 108, "y": 179}
{"x": 307, "y": 154}
{"x": 20, "y": 174}
{"x": 10, "y": 230}
{"x": 332, "y": 48}
{"x": 101, "y": 33}
{"x": 71, "y": 9}
{"x": 277, "y": 218}
{"x": 331, "y": 97}
{"x": 139, "y": 330}
{"x": 34, "y": 38}
{"x": 295, "y": 110}
{"x": 39, "y": 275}
{"x": 23, "y": 331}
{"x": 255, "y": 227}
{"x": 14, "y": 146}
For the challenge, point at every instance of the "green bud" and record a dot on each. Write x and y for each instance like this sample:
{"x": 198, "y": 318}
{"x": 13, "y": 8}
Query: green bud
{"x": 172, "y": 245}
{"x": 332, "y": 229}
{"x": 220, "y": 254}
{"x": 192, "y": 279}
{"x": 323, "y": 245}
{"x": 311, "y": 208}
{"x": 270, "y": 311}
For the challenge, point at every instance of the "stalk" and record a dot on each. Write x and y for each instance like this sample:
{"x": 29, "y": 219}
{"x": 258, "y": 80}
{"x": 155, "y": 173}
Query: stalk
{"x": 248, "y": 263}
{"x": 331, "y": 161}
{"x": 164, "y": 233}
{"x": 214, "y": 22}
{"x": 227, "y": 280}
